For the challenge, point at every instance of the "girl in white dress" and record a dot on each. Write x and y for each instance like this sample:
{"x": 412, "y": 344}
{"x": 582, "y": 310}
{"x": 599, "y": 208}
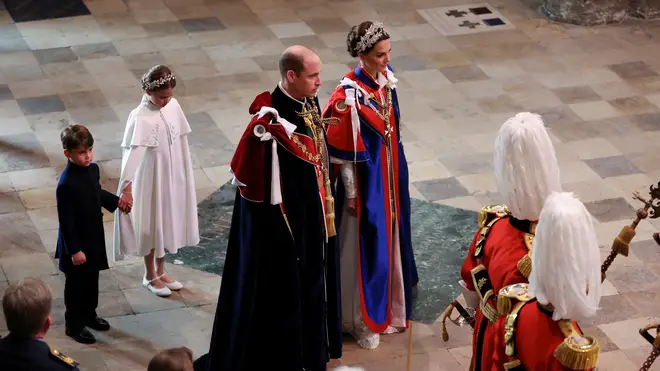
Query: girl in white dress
{"x": 157, "y": 176}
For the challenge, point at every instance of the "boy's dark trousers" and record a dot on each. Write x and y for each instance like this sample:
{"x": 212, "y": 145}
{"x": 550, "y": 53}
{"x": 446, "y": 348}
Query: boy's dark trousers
{"x": 81, "y": 297}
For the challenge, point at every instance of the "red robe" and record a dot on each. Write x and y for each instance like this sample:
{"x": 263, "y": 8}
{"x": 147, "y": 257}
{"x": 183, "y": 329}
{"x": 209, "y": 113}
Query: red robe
{"x": 503, "y": 249}
{"x": 536, "y": 338}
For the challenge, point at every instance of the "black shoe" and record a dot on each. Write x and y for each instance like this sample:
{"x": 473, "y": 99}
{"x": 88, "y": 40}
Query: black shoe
{"x": 83, "y": 336}
{"x": 98, "y": 324}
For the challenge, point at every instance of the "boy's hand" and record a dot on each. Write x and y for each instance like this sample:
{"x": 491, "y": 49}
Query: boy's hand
{"x": 78, "y": 258}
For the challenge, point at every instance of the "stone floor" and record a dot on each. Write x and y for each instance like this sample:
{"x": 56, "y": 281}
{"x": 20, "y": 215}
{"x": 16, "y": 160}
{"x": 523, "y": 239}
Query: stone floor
{"x": 597, "y": 88}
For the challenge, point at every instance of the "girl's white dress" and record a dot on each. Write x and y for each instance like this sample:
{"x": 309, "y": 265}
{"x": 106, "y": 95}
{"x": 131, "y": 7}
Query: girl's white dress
{"x": 156, "y": 160}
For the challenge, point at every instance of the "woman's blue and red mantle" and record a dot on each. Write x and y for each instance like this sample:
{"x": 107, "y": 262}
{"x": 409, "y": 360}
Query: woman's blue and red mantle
{"x": 441, "y": 235}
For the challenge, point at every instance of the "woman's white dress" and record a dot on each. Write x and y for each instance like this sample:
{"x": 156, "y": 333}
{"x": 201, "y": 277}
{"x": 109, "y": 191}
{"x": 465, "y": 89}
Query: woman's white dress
{"x": 156, "y": 160}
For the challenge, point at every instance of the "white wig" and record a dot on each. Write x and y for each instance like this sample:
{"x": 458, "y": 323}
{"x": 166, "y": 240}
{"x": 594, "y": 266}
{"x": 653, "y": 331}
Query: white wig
{"x": 347, "y": 368}
{"x": 566, "y": 259}
{"x": 525, "y": 165}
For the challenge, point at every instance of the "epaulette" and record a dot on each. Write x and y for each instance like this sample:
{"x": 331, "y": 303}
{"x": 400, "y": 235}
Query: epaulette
{"x": 576, "y": 352}
{"x": 490, "y": 212}
{"x": 510, "y": 328}
{"x": 64, "y": 358}
{"x": 488, "y": 215}
{"x": 525, "y": 263}
{"x": 510, "y": 295}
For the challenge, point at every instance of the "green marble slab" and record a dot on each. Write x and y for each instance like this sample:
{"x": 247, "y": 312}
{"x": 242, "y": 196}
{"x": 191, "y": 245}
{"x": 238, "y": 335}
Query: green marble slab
{"x": 441, "y": 235}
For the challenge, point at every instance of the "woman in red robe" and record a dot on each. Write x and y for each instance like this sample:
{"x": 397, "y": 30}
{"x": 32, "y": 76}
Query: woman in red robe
{"x": 373, "y": 202}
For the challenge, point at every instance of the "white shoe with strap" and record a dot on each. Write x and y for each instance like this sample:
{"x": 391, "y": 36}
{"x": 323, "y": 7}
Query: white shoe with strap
{"x": 162, "y": 292}
{"x": 174, "y": 285}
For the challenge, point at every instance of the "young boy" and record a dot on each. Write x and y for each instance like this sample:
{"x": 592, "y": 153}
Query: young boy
{"x": 81, "y": 240}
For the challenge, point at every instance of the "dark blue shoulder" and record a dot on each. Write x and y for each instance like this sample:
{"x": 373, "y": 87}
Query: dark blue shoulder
{"x": 64, "y": 176}
{"x": 95, "y": 168}
{"x": 63, "y": 360}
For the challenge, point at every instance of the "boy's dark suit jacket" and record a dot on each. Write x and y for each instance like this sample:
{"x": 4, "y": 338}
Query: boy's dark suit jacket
{"x": 79, "y": 202}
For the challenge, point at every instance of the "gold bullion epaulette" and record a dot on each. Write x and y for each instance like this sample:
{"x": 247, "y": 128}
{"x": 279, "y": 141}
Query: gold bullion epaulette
{"x": 510, "y": 295}
{"x": 64, "y": 358}
{"x": 488, "y": 213}
{"x": 525, "y": 263}
{"x": 576, "y": 352}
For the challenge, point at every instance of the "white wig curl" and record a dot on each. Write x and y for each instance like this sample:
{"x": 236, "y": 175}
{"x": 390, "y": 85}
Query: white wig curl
{"x": 525, "y": 165}
{"x": 566, "y": 259}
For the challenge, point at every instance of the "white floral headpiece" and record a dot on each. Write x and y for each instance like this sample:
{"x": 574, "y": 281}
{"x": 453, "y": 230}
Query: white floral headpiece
{"x": 371, "y": 36}
{"x": 158, "y": 83}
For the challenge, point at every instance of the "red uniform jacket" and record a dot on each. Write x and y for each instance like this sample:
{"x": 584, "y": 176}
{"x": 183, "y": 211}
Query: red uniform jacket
{"x": 503, "y": 249}
{"x": 542, "y": 344}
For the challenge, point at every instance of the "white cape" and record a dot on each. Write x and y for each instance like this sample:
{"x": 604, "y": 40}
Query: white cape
{"x": 156, "y": 160}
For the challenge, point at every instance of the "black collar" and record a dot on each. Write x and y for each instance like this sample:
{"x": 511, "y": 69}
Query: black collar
{"x": 525, "y": 226}
{"x": 77, "y": 168}
{"x": 548, "y": 309}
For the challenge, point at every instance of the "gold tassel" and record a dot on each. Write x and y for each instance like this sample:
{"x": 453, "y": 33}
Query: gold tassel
{"x": 329, "y": 208}
{"x": 622, "y": 241}
{"x": 445, "y": 315}
{"x": 575, "y": 358}
{"x": 576, "y": 352}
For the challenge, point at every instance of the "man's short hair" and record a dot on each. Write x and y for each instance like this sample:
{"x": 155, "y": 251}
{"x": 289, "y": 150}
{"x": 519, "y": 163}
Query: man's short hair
{"x": 291, "y": 62}
{"x": 173, "y": 359}
{"x": 26, "y": 305}
{"x": 76, "y": 137}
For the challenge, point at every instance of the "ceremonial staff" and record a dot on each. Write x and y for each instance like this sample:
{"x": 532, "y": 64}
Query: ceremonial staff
{"x": 621, "y": 244}
{"x": 655, "y": 342}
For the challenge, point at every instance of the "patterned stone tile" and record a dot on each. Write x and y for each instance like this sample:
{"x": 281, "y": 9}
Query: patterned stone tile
{"x": 468, "y": 164}
{"x": 22, "y": 152}
{"x": 292, "y": 29}
{"x": 439, "y": 189}
{"x": 55, "y": 55}
{"x": 619, "y": 331}
{"x": 613, "y": 166}
{"x": 594, "y": 110}
{"x": 201, "y": 121}
{"x": 612, "y": 309}
{"x": 576, "y": 94}
{"x": 645, "y": 301}
{"x": 633, "y": 70}
{"x": 211, "y": 147}
{"x": 593, "y": 148}
{"x": 610, "y": 209}
{"x": 633, "y": 105}
{"x": 646, "y": 121}
{"x": 463, "y": 73}
{"x": 606, "y": 344}
{"x": 558, "y": 115}
{"x": 95, "y": 51}
{"x": 411, "y": 63}
{"x": 202, "y": 24}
